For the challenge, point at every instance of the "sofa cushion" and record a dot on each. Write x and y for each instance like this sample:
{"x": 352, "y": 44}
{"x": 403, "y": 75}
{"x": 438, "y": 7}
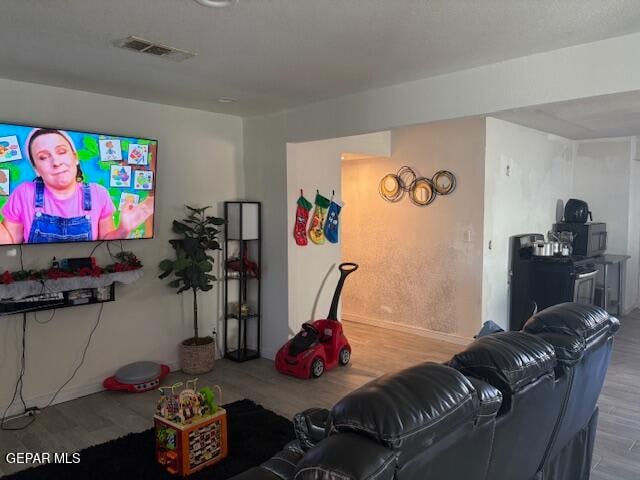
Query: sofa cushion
{"x": 509, "y": 360}
{"x": 418, "y": 404}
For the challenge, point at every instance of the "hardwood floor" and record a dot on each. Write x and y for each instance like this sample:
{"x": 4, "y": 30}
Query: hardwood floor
{"x": 617, "y": 451}
{"x": 103, "y": 416}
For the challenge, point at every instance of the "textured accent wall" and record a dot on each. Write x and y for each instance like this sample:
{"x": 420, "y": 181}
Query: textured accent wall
{"x": 419, "y": 266}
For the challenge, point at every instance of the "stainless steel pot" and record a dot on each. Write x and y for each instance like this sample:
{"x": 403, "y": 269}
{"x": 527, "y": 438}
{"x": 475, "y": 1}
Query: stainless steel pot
{"x": 543, "y": 249}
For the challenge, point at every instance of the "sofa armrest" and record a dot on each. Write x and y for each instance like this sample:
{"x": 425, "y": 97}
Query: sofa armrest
{"x": 489, "y": 398}
{"x": 281, "y": 466}
{"x": 310, "y": 426}
{"x": 347, "y": 456}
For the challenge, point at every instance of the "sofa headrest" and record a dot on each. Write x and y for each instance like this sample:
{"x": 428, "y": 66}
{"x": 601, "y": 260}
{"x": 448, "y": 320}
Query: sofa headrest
{"x": 508, "y": 360}
{"x": 572, "y": 328}
{"x": 416, "y": 405}
{"x": 584, "y": 321}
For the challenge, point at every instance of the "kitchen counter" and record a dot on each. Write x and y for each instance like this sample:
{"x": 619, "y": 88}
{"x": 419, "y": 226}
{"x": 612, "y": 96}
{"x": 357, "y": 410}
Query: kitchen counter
{"x": 610, "y": 258}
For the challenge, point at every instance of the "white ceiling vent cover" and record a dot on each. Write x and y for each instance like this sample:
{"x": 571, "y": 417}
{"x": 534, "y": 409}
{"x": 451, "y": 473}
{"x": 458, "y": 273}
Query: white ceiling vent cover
{"x": 141, "y": 45}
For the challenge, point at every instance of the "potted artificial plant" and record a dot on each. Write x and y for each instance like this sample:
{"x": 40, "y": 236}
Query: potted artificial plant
{"x": 192, "y": 268}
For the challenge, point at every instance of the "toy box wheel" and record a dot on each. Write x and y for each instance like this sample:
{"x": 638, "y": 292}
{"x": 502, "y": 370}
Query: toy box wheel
{"x": 317, "y": 367}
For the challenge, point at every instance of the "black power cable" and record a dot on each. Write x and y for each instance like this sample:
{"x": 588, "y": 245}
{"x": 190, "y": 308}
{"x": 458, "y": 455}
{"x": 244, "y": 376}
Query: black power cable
{"x": 84, "y": 354}
{"x": 19, "y": 382}
{"x": 96, "y": 247}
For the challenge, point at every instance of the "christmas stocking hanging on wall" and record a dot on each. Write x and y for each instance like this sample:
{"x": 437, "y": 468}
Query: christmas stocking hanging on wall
{"x": 331, "y": 225}
{"x": 302, "y": 217}
{"x": 316, "y": 233}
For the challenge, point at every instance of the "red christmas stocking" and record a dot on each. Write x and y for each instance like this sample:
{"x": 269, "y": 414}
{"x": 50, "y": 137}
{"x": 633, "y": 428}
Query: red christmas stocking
{"x": 302, "y": 217}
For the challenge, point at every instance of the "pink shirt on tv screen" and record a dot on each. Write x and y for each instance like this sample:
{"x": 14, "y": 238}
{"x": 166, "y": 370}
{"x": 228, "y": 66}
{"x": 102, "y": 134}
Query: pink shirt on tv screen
{"x": 20, "y": 206}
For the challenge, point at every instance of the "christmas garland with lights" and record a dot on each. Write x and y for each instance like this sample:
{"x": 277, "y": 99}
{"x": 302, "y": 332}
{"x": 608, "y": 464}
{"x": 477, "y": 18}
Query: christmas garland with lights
{"x": 125, "y": 261}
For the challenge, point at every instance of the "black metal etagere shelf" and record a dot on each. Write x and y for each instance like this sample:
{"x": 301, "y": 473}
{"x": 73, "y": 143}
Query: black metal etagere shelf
{"x": 242, "y": 264}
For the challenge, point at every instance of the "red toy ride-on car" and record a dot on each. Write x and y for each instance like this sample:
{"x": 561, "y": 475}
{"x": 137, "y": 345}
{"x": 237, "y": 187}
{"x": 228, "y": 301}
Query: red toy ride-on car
{"x": 321, "y": 344}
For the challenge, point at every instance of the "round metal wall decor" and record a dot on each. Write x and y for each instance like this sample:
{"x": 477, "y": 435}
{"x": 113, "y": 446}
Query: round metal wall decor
{"x": 444, "y": 182}
{"x": 422, "y": 192}
{"x": 407, "y": 176}
{"x": 391, "y": 188}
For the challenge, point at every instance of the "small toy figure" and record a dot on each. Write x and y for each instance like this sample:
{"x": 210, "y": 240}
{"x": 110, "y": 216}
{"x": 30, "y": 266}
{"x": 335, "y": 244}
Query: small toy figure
{"x": 208, "y": 400}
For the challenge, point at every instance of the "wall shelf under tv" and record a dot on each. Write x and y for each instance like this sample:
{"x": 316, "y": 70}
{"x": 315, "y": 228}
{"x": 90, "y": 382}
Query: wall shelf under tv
{"x": 35, "y": 295}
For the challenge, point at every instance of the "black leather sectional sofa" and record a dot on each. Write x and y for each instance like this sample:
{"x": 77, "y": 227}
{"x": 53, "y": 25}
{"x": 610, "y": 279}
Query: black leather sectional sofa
{"x": 512, "y": 406}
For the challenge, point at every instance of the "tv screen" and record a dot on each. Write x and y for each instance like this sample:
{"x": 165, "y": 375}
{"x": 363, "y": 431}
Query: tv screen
{"x": 67, "y": 186}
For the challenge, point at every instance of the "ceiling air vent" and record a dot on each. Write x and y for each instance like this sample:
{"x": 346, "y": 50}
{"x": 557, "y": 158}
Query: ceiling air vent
{"x": 156, "y": 49}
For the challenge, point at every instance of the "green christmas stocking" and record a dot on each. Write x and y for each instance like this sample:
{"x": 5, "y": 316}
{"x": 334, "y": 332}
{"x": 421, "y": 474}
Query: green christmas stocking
{"x": 316, "y": 231}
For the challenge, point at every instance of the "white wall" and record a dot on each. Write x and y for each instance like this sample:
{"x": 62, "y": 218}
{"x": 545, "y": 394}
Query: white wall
{"x": 266, "y": 180}
{"x": 607, "y": 177}
{"x": 524, "y": 201}
{"x": 420, "y": 267}
{"x": 199, "y": 156}
{"x": 601, "y": 178}
{"x": 311, "y": 166}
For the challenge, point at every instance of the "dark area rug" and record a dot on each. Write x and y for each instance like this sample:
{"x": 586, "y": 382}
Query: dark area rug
{"x": 254, "y": 435}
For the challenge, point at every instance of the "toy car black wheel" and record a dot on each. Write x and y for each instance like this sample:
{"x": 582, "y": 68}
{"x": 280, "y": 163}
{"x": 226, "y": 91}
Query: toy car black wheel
{"x": 317, "y": 368}
{"x": 345, "y": 356}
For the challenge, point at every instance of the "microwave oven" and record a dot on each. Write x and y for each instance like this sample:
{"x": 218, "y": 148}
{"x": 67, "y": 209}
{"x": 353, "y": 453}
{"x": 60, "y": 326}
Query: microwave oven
{"x": 589, "y": 239}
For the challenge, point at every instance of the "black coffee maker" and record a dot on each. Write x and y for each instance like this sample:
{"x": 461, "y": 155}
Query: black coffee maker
{"x": 589, "y": 239}
{"x": 577, "y": 211}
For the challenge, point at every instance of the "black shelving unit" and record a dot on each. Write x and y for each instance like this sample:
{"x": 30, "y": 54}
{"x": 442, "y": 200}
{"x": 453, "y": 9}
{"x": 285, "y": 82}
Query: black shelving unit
{"x": 242, "y": 236}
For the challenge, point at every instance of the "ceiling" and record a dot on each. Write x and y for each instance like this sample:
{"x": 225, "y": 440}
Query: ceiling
{"x": 278, "y": 54}
{"x": 616, "y": 115}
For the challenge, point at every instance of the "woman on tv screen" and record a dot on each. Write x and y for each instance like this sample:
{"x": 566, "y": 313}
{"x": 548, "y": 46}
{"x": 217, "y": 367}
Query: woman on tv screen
{"x": 60, "y": 205}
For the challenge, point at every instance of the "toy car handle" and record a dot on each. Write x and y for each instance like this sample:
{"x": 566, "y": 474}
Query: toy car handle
{"x": 345, "y": 269}
{"x": 348, "y": 267}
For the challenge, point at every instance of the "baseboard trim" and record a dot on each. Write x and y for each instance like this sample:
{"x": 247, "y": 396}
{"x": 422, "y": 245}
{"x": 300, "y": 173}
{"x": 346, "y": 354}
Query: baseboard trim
{"x": 65, "y": 395}
{"x": 268, "y": 353}
{"x": 424, "y": 332}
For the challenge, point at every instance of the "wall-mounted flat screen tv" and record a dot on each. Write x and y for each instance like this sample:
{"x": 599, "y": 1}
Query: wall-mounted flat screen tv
{"x": 68, "y": 186}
